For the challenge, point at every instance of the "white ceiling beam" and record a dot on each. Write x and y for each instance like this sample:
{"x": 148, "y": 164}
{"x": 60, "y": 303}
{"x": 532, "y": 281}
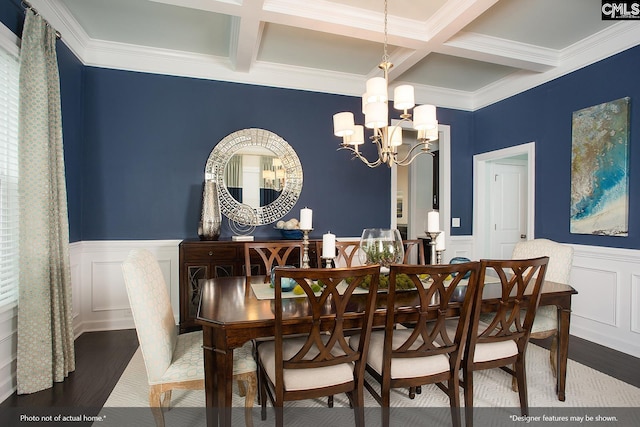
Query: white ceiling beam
{"x": 246, "y": 33}
{"x": 444, "y": 24}
{"x": 499, "y": 51}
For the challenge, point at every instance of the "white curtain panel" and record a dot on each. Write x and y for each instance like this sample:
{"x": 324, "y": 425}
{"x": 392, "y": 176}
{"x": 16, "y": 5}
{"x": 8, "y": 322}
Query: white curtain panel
{"x": 45, "y": 328}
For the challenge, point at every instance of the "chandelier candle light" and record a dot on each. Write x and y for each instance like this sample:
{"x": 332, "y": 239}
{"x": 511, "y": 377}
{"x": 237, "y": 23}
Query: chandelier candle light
{"x": 306, "y": 216}
{"x": 387, "y": 138}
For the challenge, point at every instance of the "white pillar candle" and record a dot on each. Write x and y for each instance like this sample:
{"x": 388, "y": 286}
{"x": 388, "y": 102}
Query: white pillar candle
{"x": 306, "y": 215}
{"x": 328, "y": 245}
{"x": 440, "y": 241}
{"x": 433, "y": 221}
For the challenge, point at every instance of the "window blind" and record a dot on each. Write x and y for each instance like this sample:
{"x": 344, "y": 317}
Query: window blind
{"x": 9, "y": 219}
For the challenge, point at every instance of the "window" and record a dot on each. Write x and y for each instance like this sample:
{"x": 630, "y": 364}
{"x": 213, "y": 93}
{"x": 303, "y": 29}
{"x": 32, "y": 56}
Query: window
{"x": 9, "y": 220}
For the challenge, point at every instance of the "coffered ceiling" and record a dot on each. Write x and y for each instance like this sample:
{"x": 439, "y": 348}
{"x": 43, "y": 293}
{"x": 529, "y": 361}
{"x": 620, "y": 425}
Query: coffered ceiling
{"x": 462, "y": 54}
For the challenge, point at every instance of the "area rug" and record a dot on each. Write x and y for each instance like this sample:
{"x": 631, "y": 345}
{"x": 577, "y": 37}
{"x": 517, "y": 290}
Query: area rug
{"x": 591, "y": 396}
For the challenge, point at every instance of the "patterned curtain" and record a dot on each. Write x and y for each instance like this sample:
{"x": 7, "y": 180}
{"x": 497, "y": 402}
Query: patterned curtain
{"x": 45, "y": 326}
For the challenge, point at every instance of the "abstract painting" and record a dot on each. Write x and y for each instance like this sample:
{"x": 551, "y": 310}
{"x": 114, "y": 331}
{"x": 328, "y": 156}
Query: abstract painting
{"x": 600, "y": 169}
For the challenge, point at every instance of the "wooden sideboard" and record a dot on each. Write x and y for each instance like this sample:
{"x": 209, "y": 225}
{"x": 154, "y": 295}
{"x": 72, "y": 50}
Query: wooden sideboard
{"x": 206, "y": 259}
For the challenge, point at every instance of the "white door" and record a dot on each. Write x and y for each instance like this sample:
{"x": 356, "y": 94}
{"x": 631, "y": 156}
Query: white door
{"x": 508, "y": 207}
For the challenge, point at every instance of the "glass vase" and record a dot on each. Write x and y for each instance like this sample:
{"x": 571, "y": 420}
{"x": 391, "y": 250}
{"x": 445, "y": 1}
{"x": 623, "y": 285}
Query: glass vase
{"x": 381, "y": 246}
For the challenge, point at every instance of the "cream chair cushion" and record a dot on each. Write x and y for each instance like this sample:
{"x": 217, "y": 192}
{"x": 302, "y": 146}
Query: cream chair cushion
{"x": 303, "y": 379}
{"x": 401, "y": 367}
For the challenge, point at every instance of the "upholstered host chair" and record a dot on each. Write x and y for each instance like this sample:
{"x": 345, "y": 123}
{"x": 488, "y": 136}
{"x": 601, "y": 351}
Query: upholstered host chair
{"x": 429, "y": 352}
{"x": 273, "y": 254}
{"x": 560, "y": 256}
{"x": 502, "y": 341}
{"x": 319, "y": 362}
{"x": 172, "y": 361}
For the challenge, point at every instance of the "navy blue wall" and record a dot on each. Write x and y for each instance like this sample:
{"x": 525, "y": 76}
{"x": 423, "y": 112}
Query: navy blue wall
{"x": 544, "y": 115}
{"x": 147, "y": 139}
{"x": 71, "y": 72}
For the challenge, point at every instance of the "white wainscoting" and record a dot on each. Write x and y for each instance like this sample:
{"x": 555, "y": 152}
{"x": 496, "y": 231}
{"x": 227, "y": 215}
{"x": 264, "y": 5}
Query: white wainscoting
{"x": 605, "y": 310}
{"x": 100, "y": 299}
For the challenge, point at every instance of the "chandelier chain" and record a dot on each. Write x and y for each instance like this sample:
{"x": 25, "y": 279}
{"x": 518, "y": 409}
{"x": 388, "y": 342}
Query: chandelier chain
{"x": 387, "y": 138}
{"x": 385, "y": 56}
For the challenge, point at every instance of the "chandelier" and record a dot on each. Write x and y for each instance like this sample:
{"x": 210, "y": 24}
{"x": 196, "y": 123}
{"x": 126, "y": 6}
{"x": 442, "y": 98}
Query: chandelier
{"x": 387, "y": 138}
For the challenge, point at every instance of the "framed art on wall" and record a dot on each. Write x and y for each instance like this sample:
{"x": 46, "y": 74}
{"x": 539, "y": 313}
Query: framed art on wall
{"x": 600, "y": 169}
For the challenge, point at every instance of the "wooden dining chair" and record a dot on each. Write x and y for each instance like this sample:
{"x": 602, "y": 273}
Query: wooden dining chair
{"x": 502, "y": 340}
{"x": 346, "y": 253}
{"x": 413, "y": 248}
{"x": 173, "y": 361}
{"x": 431, "y": 351}
{"x": 320, "y": 362}
{"x": 272, "y": 254}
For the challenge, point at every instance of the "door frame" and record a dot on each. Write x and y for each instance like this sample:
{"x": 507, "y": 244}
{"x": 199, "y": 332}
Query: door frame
{"x": 481, "y": 193}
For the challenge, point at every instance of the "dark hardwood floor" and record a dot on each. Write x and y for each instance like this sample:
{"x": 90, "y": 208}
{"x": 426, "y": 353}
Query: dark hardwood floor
{"x": 101, "y": 357}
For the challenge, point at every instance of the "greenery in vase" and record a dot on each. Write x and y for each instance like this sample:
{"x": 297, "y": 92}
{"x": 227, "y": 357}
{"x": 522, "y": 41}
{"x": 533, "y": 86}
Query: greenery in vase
{"x": 402, "y": 282}
{"x": 384, "y": 254}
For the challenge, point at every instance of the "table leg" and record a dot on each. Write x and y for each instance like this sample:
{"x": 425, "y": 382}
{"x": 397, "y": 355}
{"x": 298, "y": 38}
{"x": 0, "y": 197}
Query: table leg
{"x": 564, "y": 318}
{"x": 210, "y": 377}
{"x": 224, "y": 359}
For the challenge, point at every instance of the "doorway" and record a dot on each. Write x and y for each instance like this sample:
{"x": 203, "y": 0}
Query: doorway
{"x": 504, "y": 200}
{"x": 412, "y": 187}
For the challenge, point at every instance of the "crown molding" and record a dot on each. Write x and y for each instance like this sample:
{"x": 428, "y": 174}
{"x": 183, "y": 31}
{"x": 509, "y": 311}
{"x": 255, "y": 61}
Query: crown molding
{"x": 105, "y": 54}
{"x": 602, "y": 45}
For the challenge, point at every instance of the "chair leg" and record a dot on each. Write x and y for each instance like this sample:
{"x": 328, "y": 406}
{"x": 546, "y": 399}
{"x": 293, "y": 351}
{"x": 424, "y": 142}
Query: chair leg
{"x": 521, "y": 376}
{"x": 155, "y": 391}
{"x": 454, "y": 399}
{"x": 514, "y": 381}
{"x": 279, "y": 415}
{"x": 252, "y": 385}
{"x": 242, "y": 390}
{"x": 468, "y": 398}
{"x": 262, "y": 384}
{"x": 553, "y": 355}
{"x": 166, "y": 400}
{"x": 385, "y": 404}
{"x": 330, "y": 401}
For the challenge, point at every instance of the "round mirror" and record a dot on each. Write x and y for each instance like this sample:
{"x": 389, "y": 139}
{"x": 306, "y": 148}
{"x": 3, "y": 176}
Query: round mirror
{"x": 255, "y": 168}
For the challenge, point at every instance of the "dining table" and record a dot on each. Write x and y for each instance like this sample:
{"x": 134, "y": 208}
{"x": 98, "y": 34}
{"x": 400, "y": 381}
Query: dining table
{"x": 234, "y": 310}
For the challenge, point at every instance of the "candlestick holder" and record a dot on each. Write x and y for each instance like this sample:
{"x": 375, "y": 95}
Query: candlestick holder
{"x": 433, "y": 235}
{"x": 305, "y": 244}
{"x": 439, "y": 256}
{"x": 328, "y": 261}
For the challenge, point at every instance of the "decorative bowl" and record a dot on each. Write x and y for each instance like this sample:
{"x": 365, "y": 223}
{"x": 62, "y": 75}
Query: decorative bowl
{"x": 460, "y": 260}
{"x": 291, "y": 234}
{"x": 286, "y": 283}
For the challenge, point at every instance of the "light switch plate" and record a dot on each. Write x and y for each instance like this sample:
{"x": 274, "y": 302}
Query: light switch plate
{"x": 455, "y": 222}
